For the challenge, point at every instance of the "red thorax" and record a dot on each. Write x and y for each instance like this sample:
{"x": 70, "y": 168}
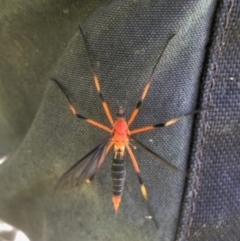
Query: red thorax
{"x": 120, "y": 133}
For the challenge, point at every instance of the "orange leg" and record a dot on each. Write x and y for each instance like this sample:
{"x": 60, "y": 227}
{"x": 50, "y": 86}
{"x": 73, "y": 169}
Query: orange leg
{"x": 151, "y": 127}
{"x": 74, "y": 111}
{"x": 109, "y": 146}
{"x": 168, "y": 123}
{"x": 147, "y": 86}
{"x": 97, "y": 84}
{"x": 143, "y": 188}
{"x": 155, "y": 155}
{"x": 137, "y": 170}
{"x": 104, "y": 103}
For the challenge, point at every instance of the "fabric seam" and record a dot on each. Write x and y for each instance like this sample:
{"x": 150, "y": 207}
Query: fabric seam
{"x": 214, "y": 72}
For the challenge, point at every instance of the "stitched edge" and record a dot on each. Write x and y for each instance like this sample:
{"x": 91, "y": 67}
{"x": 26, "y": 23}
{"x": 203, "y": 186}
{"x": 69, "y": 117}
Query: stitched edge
{"x": 220, "y": 43}
{"x": 224, "y": 9}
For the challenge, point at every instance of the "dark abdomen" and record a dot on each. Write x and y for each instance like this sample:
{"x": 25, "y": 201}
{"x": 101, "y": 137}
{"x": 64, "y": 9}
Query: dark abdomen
{"x": 118, "y": 174}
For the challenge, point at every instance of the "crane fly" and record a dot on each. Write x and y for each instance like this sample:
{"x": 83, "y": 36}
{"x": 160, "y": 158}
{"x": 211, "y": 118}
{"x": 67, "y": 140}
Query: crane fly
{"x": 120, "y": 136}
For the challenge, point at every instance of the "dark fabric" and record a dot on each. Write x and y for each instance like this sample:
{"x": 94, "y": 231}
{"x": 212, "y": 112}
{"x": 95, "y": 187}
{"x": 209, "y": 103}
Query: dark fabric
{"x": 212, "y": 203}
{"x": 125, "y": 39}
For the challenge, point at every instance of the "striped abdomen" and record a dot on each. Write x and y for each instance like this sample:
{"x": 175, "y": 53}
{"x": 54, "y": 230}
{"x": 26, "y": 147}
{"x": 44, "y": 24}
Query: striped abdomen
{"x": 118, "y": 175}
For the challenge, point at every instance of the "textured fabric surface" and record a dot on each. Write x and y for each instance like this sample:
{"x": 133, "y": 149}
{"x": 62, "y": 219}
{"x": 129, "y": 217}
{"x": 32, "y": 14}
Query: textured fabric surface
{"x": 212, "y": 203}
{"x": 33, "y": 35}
{"x": 125, "y": 40}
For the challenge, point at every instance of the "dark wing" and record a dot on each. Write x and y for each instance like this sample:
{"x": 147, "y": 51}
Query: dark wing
{"x": 155, "y": 155}
{"x": 85, "y": 168}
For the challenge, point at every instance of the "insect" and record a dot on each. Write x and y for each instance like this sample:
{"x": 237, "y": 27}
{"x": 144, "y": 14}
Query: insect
{"x": 120, "y": 138}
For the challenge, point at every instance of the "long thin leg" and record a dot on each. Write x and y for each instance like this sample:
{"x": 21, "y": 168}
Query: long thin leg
{"x": 74, "y": 111}
{"x": 152, "y": 127}
{"x": 137, "y": 170}
{"x": 143, "y": 188}
{"x": 147, "y": 86}
{"x": 155, "y": 155}
{"x": 97, "y": 84}
{"x": 168, "y": 123}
